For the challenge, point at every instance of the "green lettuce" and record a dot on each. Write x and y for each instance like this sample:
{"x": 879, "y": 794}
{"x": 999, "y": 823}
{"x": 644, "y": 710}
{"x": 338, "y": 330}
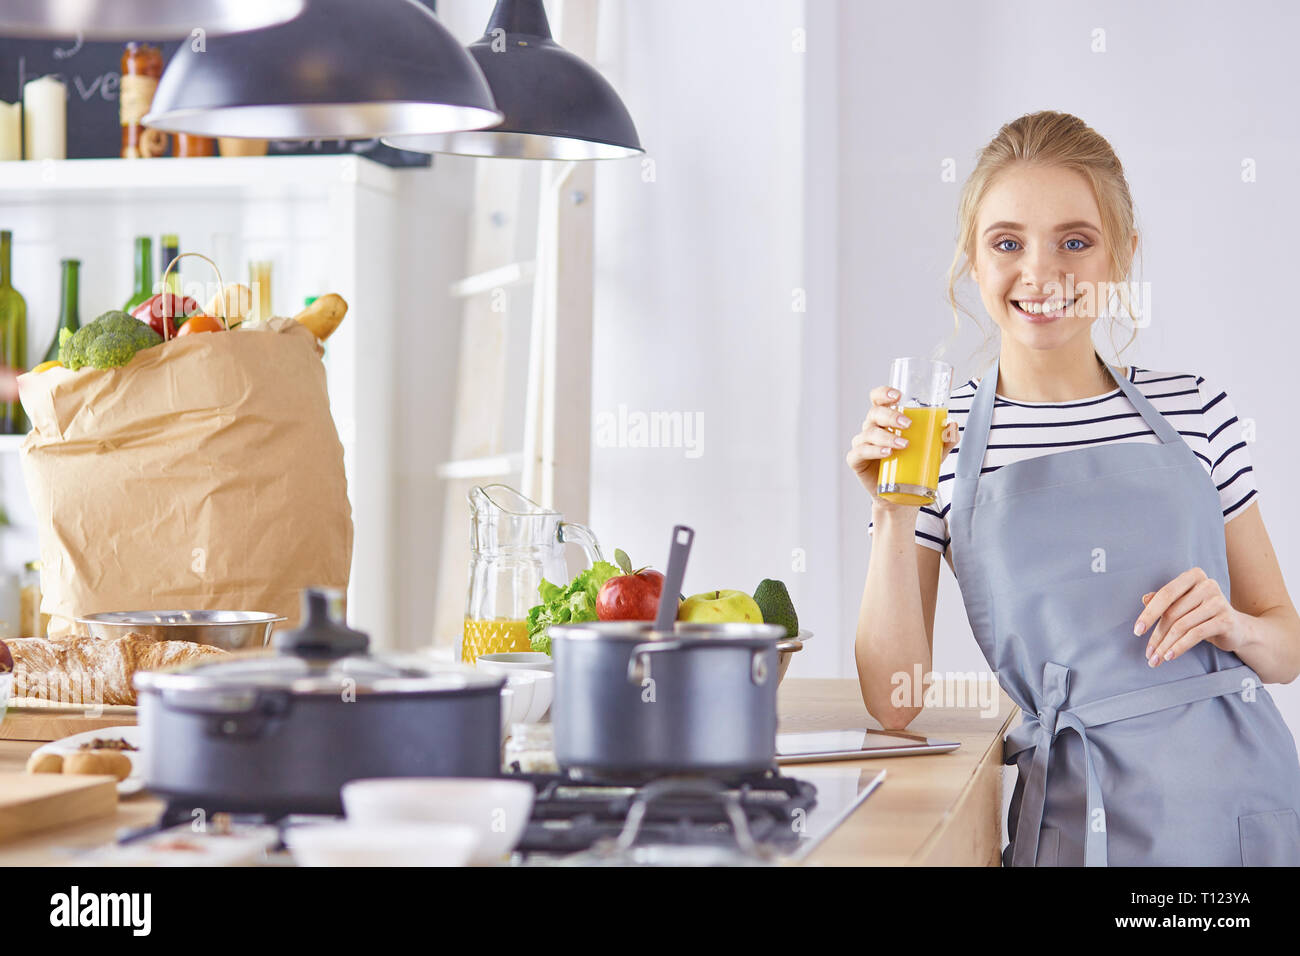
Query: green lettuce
{"x": 571, "y": 604}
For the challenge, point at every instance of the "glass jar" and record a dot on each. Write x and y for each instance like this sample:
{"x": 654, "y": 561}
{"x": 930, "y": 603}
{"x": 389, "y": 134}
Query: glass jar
{"x": 514, "y": 544}
{"x": 31, "y": 622}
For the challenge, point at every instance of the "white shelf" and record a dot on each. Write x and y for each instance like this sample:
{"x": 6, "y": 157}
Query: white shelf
{"x": 43, "y": 181}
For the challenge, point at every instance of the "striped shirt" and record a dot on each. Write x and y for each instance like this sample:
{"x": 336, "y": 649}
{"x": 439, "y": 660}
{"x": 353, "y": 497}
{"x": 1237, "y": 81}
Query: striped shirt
{"x": 1201, "y": 412}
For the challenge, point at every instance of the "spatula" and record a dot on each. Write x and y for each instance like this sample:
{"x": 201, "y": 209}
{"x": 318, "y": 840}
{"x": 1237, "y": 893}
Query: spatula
{"x": 677, "y": 555}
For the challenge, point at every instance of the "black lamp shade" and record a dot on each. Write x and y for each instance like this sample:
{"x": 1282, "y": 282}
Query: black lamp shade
{"x": 342, "y": 70}
{"x": 556, "y": 105}
{"x": 140, "y": 19}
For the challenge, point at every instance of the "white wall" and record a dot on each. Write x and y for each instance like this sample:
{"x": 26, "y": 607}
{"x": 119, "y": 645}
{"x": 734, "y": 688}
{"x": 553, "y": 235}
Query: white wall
{"x": 699, "y": 252}
{"x": 1185, "y": 93}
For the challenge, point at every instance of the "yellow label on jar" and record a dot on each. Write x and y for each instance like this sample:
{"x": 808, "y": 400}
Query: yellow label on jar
{"x": 135, "y": 96}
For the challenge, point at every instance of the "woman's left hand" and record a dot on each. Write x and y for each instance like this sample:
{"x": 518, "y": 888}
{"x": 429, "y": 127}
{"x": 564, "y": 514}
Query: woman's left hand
{"x": 1188, "y": 610}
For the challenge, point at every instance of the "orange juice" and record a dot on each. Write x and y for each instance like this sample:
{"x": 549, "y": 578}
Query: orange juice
{"x": 493, "y": 636}
{"x": 910, "y": 476}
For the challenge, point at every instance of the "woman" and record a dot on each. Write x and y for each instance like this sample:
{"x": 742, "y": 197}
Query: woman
{"x": 1085, "y": 505}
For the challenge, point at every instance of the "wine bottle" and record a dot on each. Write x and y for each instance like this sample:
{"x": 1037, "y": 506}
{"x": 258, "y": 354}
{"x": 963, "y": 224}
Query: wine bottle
{"x": 69, "y": 318}
{"x": 143, "y": 273}
{"x": 171, "y": 248}
{"x": 13, "y": 336}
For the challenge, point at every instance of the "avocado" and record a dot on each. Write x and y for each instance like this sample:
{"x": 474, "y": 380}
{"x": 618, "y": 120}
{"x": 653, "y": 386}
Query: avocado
{"x": 774, "y": 601}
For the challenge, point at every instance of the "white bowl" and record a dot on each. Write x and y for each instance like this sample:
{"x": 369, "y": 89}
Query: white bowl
{"x": 495, "y": 810}
{"x": 543, "y": 694}
{"x": 530, "y": 694}
{"x": 514, "y": 661}
{"x": 516, "y": 701}
{"x": 381, "y": 844}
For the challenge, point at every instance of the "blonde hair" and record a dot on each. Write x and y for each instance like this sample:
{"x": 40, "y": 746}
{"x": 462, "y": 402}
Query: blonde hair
{"x": 1050, "y": 138}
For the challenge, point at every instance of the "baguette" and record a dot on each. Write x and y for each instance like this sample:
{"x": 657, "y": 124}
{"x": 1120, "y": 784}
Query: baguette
{"x": 107, "y": 762}
{"x": 81, "y": 670}
{"x": 324, "y": 315}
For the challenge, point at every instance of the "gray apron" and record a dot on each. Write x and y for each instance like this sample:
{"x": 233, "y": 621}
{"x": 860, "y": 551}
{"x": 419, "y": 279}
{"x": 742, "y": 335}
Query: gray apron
{"x": 1121, "y": 764}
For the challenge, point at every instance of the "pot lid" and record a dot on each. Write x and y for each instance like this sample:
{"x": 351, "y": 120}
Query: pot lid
{"x": 359, "y": 674}
{"x": 324, "y": 656}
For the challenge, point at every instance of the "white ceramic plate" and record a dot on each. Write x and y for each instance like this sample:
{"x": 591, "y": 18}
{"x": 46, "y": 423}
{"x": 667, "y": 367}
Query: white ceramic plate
{"x": 128, "y": 732}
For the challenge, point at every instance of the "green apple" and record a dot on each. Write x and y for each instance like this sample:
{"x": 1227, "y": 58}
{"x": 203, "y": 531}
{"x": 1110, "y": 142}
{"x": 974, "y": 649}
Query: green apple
{"x": 715, "y": 606}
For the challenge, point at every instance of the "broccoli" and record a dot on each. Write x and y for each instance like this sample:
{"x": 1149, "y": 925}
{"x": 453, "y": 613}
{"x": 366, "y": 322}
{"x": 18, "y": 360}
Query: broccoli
{"x": 108, "y": 342}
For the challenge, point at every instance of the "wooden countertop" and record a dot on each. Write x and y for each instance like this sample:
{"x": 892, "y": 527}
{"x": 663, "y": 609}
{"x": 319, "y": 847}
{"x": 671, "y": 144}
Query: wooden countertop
{"x": 937, "y": 810}
{"x": 929, "y": 810}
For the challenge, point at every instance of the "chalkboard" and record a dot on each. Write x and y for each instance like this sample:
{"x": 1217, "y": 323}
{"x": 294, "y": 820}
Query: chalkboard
{"x": 92, "y": 74}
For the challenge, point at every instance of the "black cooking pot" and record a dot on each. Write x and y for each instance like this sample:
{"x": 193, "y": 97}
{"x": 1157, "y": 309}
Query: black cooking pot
{"x": 631, "y": 702}
{"x": 282, "y": 732}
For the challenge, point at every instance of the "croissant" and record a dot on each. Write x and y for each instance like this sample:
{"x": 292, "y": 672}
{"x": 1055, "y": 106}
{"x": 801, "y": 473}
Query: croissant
{"x": 86, "y": 670}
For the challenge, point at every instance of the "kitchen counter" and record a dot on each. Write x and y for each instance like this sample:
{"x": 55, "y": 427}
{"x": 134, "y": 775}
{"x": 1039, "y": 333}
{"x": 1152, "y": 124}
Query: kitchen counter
{"x": 933, "y": 810}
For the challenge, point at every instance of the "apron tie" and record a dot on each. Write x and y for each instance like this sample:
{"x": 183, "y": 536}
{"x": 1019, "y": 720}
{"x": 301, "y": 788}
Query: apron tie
{"x": 1040, "y": 729}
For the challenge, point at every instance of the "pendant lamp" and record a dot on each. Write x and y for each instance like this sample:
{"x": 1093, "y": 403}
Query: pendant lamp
{"x": 344, "y": 69}
{"x": 556, "y": 105}
{"x": 140, "y": 19}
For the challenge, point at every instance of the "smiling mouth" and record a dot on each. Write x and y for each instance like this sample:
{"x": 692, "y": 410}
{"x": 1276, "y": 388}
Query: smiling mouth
{"x": 1051, "y": 309}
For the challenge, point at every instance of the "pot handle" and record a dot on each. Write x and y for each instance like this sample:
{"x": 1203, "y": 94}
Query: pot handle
{"x": 638, "y": 666}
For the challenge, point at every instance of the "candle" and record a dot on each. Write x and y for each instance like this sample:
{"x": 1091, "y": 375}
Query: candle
{"x": 45, "y": 111}
{"x": 11, "y": 131}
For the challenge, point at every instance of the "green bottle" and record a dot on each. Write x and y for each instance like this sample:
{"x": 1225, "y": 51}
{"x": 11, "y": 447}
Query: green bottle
{"x": 68, "y": 316}
{"x": 13, "y": 336}
{"x": 143, "y": 273}
{"x": 171, "y": 248}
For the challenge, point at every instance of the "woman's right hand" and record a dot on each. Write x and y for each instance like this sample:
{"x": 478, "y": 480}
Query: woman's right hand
{"x": 875, "y": 442}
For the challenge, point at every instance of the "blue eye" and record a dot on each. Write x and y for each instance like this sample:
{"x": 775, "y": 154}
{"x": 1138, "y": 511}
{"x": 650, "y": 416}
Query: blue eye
{"x": 998, "y": 245}
{"x": 1079, "y": 248}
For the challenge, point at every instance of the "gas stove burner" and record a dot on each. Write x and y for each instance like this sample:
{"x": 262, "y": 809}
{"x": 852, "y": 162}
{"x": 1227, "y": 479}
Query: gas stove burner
{"x": 757, "y": 812}
{"x": 640, "y": 778}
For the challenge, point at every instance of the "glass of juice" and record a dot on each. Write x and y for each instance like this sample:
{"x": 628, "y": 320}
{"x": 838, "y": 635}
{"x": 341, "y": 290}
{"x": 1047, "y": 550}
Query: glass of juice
{"x": 910, "y": 476}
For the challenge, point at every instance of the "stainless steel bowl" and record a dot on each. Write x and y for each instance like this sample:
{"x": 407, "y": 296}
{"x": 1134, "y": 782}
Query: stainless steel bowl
{"x": 787, "y": 647}
{"x": 229, "y": 630}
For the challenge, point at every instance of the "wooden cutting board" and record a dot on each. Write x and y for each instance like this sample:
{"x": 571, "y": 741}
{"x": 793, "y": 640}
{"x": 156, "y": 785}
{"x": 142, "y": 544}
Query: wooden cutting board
{"x": 44, "y": 722}
{"x": 38, "y": 801}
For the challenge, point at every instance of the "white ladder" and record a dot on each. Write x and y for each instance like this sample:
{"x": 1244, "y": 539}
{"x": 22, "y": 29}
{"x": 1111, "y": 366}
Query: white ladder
{"x": 552, "y": 462}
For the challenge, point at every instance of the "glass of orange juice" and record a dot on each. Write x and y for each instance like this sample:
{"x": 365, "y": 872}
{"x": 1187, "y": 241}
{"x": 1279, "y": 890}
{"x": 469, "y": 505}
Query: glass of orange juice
{"x": 910, "y": 476}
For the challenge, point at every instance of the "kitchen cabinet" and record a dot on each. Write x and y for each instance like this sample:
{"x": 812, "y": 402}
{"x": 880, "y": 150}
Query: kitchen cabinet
{"x": 327, "y": 223}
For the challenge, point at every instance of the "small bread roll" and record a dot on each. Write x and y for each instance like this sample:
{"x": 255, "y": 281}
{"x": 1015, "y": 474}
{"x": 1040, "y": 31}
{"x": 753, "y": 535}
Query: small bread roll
{"x": 239, "y": 303}
{"x": 324, "y": 315}
{"x": 45, "y": 763}
{"x": 108, "y": 762}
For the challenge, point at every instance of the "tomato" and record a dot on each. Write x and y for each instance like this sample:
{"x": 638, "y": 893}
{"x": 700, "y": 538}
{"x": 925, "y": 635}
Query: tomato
{"x": 201, "y": 323}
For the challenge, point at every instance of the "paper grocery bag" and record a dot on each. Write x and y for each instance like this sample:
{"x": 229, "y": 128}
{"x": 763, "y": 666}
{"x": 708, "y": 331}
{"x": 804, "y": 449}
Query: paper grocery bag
{"x": 205, "y": 474}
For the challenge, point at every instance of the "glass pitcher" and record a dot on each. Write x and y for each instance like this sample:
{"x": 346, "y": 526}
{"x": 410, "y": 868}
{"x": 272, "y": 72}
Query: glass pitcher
{"x": 514, "y": 543}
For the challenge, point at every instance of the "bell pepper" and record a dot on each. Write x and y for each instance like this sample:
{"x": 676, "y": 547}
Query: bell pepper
{"x": 161, "y": 311}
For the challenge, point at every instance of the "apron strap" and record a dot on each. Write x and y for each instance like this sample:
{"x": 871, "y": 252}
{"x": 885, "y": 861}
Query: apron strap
{"x": 1039, "y": 730}
{"x": 975, "y": 433}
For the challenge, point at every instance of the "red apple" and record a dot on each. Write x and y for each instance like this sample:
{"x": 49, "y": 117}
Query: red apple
{"x": 630, "y": 597}
{"x": 6, "y": 659}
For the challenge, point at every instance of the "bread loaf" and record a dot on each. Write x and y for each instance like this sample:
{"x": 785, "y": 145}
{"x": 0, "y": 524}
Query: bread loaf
{"x": 85, "y": 670}
{"x": 107, "y": 762}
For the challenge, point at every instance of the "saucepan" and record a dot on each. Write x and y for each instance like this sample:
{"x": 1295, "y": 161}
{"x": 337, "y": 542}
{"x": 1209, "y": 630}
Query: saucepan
{"x": 631, "y": 701}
